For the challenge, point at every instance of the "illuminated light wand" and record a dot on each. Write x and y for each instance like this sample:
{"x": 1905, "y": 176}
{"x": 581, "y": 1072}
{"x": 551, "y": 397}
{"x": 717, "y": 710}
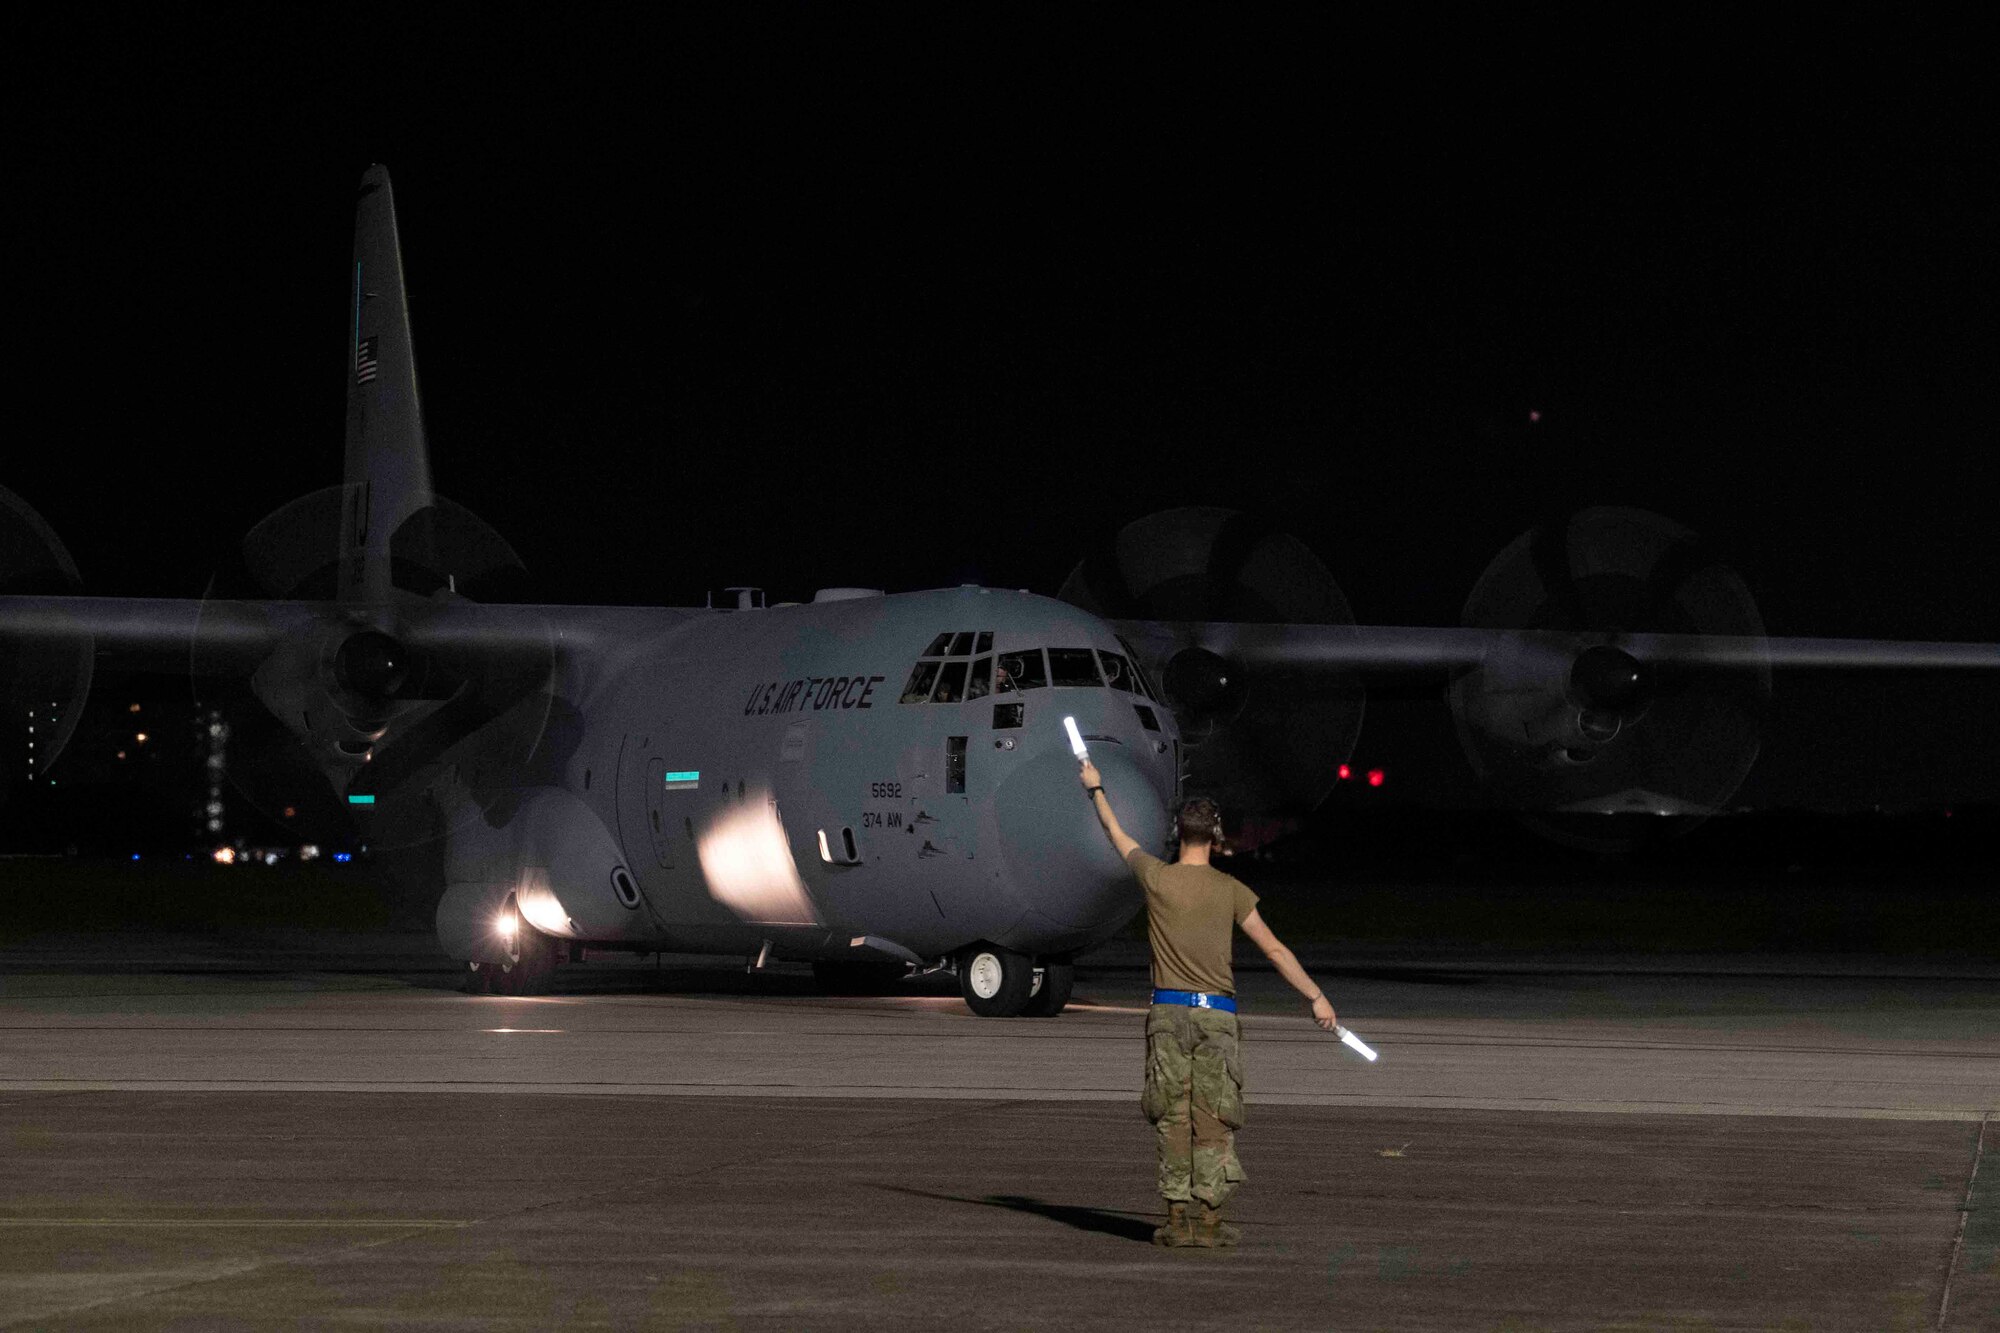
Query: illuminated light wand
{"x": 1355, "y": 1043}
{"x": 1076, "y": 745}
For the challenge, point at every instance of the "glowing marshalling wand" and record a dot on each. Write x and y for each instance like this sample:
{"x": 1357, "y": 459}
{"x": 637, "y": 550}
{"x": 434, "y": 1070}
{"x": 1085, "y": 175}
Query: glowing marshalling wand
{"x": 1076, "y": 745}
{"x": 1348, "y": 1039}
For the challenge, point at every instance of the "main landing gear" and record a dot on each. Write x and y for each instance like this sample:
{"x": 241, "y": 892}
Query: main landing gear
{"x": 1000, "y": 983}
{"x": 528, "y": 971}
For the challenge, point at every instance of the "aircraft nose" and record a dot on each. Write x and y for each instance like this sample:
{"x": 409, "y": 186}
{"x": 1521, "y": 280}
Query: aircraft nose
{"x": 1061, "y": 861}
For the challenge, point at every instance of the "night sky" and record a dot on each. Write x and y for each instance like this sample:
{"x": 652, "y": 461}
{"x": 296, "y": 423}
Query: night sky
{"x": 815, "y": 305}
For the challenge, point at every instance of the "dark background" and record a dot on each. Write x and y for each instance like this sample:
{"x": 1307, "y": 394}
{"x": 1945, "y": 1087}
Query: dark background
{"x": 811, "y": 303}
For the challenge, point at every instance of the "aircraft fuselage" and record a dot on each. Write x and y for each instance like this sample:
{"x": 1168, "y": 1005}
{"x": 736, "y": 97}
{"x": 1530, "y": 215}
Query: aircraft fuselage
{"x": 778, "y": 775}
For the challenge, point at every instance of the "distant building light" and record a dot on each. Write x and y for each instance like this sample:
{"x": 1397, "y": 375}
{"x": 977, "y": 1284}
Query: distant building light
{"x": 121, "y": 754}
{"x": 291, "y": 811}
{"x": 141, "y": 738}
{"x": 133, "y": 709}
{"x": 1345, "y": 772}
{"x": 135, "y": 856}
{"x": 225, "y": 856}
{"x": 309, "y": 852}
{"x": 1376, "y": 777}
{"x": 357, "y": 799}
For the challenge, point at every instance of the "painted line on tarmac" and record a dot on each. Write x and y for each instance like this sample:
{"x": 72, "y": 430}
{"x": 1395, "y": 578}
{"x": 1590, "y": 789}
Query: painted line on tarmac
{"x": 898, "y": 1092}
{"x": 306, "y": 1223}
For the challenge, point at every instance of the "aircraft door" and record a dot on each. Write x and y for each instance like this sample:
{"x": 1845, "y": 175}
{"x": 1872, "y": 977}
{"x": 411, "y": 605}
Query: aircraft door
{"x": 643, "y": 818}
{"x": 658, "y": 830}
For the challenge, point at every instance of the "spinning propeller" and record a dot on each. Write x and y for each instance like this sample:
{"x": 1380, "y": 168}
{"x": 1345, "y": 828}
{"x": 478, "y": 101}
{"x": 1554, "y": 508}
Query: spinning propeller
{"x": 46, "y": 677}
{"x": 381, "y": 692}
{"x": 1571, "y": 710}
{"x": 1272, "y": 740}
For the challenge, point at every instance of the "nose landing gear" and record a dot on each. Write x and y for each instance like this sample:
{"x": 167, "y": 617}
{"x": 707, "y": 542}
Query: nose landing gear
{"x": 1000, "y": 983}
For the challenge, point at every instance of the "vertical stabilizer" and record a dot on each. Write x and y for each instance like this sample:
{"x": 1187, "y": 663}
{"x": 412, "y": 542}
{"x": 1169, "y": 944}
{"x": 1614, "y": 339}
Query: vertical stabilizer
{"x": 387, "y": 497}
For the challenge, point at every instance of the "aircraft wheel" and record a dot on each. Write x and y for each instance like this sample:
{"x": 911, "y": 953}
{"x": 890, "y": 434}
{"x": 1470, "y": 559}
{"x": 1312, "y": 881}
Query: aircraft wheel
{"x": 1051, "y": 988}
{"x": 995, "y": 981}
{"x": 532, "y": 970}
{"x": 838, "y": 978}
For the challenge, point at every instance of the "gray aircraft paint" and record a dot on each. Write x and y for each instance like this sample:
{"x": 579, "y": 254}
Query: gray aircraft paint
{"x": 1015, "y": 859}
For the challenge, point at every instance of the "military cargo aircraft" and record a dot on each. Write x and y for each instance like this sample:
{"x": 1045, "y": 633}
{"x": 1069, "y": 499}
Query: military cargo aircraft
{"x": 880, "y": 783}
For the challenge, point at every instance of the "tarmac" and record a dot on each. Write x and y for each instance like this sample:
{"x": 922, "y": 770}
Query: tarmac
{"x": 315, "y": 1131}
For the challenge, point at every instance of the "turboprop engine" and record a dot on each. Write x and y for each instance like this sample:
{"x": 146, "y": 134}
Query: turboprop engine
{"x": 1272, "y": 739}
{"x": 1568, "y": 713}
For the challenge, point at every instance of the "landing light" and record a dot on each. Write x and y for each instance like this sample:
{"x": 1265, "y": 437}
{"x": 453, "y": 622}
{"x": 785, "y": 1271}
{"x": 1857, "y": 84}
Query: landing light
{"x": 506, "y": 924}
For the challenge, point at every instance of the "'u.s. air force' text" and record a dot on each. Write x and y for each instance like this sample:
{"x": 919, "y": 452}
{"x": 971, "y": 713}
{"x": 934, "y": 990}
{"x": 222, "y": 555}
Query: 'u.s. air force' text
{"x": 814, "y": 692}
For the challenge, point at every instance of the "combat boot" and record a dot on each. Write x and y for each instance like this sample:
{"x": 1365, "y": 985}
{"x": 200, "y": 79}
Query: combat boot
{"x": 1179, "y": 1227}
{"x": 1211, "y": 1232}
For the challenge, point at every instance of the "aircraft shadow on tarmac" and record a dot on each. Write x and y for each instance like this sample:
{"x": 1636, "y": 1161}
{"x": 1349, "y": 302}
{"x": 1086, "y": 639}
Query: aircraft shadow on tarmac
{"x": 1105, "y": 1221}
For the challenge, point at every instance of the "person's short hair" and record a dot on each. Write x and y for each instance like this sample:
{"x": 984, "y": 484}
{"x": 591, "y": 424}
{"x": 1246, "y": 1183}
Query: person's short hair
{"x": 1201, "y": 821}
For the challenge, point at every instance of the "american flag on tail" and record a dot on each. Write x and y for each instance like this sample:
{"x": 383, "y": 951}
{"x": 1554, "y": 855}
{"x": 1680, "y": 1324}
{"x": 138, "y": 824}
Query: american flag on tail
{"x": 364, "y": 361}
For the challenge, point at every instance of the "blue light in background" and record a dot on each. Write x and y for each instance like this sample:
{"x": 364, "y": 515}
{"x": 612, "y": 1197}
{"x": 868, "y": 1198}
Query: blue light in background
{"x": 361, "y": 800}
{"x": 343, "y": 857}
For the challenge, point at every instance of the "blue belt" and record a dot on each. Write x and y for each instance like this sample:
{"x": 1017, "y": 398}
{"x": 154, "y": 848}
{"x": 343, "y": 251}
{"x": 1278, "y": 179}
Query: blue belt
{"x": 1195, "y": 999}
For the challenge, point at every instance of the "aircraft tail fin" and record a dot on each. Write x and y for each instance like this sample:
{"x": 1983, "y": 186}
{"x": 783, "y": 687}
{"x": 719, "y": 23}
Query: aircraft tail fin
{"x": 387, "y": 500}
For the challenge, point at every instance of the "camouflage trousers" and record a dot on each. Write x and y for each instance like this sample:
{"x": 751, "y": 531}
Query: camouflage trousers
{"x": 1194, "y": 1097}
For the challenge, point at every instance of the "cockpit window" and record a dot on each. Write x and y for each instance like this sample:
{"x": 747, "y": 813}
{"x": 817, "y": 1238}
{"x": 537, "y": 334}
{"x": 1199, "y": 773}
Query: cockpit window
{"x": 1118, "y": 672}
{"x": 921, "y": 680}
{"x": 1020, "y": 671}
{"x": 980, "y": 684}
{"x": 939, "y": 646}
{"x": 1145, "y": 679}
{"x": 961, "y": 643}
{"x": 951, "y": 684}
{"x": 1073, "y": 666}
{"x": 985, "y": 644}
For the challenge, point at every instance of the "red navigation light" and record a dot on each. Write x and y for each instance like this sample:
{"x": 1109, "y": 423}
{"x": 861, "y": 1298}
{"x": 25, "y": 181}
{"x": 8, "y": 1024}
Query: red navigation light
{"x": 1375, "y": 777}
{"x": 1345, "y": 772}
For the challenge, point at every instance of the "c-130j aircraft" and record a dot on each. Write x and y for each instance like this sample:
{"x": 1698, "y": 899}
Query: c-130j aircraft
{"x": 880, "y": 784}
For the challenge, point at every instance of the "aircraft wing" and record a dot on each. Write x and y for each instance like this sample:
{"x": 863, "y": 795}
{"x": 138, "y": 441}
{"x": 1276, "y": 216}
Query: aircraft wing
{"x": 1571, "y": 720}
{"x": 226, "y": 636}
{"x": 1405, "y": 649}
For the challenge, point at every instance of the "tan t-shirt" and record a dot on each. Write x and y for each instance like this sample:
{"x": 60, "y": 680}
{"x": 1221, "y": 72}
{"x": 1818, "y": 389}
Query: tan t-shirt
{"x": 1190, "y": 912}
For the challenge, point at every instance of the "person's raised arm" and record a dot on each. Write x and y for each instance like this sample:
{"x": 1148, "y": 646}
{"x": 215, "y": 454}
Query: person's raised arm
{"x": 1288, "y": 967}
{"x": 1094, "y": 786}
